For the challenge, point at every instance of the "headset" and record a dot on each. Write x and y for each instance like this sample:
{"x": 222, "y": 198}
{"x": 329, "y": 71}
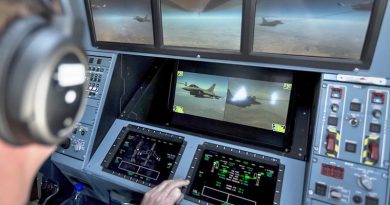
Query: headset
{"x": 42, "y": 77}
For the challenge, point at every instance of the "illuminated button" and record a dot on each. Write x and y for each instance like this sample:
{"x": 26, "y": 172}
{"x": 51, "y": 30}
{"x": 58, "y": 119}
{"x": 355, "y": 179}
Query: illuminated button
{"x": 334, "y": 108}
{"x": 320, "y": 189}
{"x": 350, "y": 147}
{"x": 335, "y": 194}
{"x": 331, "y": 143}
{"x": 376, "y": 128}
{"x": 333, "y": 121}
{"x": 378, "y": 98}
{"x": 336, "y": 93}
{"x": 373, "y": 151}
{"x": 371, "y": 200}
{"x": 356, "y": 107}
{"x": 377, "y": 114}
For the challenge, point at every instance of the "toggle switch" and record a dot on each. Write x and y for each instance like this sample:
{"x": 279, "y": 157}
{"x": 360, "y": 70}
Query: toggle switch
{"x": 331, "y": 143}
{"x": 373, "y": 151}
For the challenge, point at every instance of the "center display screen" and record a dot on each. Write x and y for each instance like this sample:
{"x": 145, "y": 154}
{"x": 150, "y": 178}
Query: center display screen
{"x": 144, "y": 157}
{"x": 226, "y": 179}
{"x": 255, "y": 103}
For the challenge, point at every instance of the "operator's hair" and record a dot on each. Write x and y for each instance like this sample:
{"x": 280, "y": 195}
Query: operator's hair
{"x": 11, "y": 10}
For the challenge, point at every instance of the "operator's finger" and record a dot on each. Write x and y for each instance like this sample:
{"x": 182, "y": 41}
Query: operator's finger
{"x": 175, "y": 196}
{"x": 175, "y": 184}
{"x": 160, "y": 187}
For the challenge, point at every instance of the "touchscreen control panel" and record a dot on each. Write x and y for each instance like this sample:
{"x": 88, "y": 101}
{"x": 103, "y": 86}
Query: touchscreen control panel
{"x": 351, "y": 149}
{"x": 222, "y": 175}
{"x": 144, "y": 156}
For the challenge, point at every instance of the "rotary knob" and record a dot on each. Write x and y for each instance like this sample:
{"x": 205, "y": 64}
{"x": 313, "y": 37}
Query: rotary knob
{"x": 365, "y": 182}
{"x": 354, "y": 122}
{"x": 334, "y": 107}
{"x": 66, "y": 144}
{"x": 377, "y": 114}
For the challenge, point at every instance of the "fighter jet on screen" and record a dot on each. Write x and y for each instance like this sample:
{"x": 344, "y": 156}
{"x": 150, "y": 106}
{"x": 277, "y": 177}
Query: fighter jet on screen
{"x": 241, "y": 101}
{"x": 198, "y": 92}
{"x": 270, "y": 23}
{"x": 142, "y": 19}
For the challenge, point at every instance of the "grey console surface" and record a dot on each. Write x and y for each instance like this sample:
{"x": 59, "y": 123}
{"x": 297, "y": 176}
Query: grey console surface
{"x": 293, "y": 173}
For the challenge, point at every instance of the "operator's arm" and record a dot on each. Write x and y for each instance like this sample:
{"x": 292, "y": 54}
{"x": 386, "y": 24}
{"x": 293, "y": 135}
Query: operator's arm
{"x": 18, "y": 167}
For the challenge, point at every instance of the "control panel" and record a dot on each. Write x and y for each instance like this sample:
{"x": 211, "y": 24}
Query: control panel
{"x": 350, "y": 158}
{"x": 97, "y": 80}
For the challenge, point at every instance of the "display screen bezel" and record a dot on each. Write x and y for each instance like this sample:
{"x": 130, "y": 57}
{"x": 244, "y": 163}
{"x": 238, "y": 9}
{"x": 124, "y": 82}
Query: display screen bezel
{"x": 236, "y": 153}
{"x": 246, "y": 53}
{"x": 228, "y": 130}
{"x": 147, "y": 132}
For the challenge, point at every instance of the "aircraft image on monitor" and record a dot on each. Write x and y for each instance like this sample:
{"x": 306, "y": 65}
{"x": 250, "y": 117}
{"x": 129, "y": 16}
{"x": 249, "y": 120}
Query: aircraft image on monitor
{"x": 198, "y": 92}
{"x": 241, "y": 99}
{"x": 270, "y": 23}
{"x": 142, "y": 19}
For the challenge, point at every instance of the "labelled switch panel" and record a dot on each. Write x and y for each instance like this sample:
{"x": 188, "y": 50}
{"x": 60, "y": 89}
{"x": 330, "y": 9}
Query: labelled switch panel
{"x": 98, "y": 72}
{"x": 340, "y": 182}
{"x": 351, "y": 149}
{"x": 354, "y": 124}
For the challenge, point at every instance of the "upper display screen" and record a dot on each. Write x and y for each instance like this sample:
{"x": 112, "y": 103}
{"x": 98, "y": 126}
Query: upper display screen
{"x": 330, "y": 28}
{"x": 123, "y": 21}
{"x": 255, "y": 103}
{"x": 213, "y": 24}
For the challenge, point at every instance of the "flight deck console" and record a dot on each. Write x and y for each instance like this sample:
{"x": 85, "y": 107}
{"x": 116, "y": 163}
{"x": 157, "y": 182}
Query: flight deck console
{"x": 350, "y": 159}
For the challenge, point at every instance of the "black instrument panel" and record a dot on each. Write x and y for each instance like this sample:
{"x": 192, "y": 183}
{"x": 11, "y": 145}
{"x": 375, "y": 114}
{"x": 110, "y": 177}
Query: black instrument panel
{"x": 222, "y": 175}
{"x": 144, "y": 156}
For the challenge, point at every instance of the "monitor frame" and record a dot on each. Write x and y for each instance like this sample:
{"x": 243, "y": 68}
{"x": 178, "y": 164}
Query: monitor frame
{"x": 229, "y": 130}
{"x": 246, "y": 53}
{"x": 238, "y": 154}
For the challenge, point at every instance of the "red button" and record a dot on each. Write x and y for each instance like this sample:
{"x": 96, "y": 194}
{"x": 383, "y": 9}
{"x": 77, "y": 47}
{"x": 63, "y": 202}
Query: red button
{"x": 330, "y": 143}
{"x": 378, "y": 98}
{"x": 336, "y": 93}
{"x": 373, "y": 151}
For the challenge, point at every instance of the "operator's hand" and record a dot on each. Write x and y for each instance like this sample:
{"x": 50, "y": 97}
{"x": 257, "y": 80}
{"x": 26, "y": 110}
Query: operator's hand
{"x": 167, "y": 193}
{"x": 19, "y": 167}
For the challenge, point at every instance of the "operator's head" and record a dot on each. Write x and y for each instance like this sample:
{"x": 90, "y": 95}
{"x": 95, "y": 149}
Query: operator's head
{"x": 42, "y": 70}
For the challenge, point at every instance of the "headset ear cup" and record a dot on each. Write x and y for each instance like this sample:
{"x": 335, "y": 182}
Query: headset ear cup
{"x": 10, "y": 43}
{"x": 40, "y": 111}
